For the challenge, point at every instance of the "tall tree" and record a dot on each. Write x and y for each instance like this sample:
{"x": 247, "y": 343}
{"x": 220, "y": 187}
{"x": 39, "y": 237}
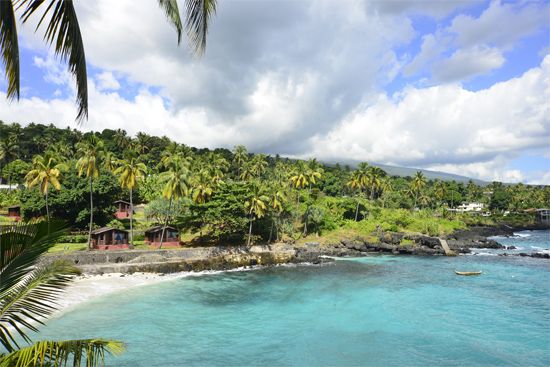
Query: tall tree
{"x": 90, "y": 152}
{"x": 356, "y": 184}
{"x": 255, "y": 207}
{"x": 63, "y": 32}
{"x": 418, "y": 184}
{"x": 45, "y": 172}
{"x": 129, "y": 172}
{"x": 240, "y": 157}
{"x": 176, "y": 184}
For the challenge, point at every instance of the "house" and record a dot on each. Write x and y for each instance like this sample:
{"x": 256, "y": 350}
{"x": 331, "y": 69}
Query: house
{"x": 171, "y": 237}
{"x": 470, "y": 207}
{"x": 14, "y": 211}
{"x": 123, "y": 209}
{"x": 108, "y": 238}
{"x": 543, "y": 216}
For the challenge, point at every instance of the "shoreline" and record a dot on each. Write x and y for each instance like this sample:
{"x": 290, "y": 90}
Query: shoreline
{"x": 100, "y": 279}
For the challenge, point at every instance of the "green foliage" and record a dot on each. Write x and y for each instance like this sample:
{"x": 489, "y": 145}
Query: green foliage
{"x": 78, "y": 238}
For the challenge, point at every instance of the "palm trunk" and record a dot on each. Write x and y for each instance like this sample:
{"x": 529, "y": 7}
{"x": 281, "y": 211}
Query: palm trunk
{"x": 165, "y": 222}
{"x": 271, "y": 230}
{"x": 356, "y": 210}
{"x": 47, "y": 212}
{"x": 131, "y": 219}
{"x": 91, "y": 215}
{"x": 305, "y": 222}
{"x": 249, "y": 232}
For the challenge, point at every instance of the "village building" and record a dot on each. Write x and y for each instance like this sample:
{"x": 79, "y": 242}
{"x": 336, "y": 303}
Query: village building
{"x": 543, "y": 216}
{"x": 470, "y": 207}
{"x": 171, "y": 237}
{"x": 108, "y": 238}
{"x": 123, "y": 209}
{"x": 14, "y": 212}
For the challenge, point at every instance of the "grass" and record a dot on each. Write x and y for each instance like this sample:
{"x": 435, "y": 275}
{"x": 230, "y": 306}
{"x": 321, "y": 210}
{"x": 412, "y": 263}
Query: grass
{"x": 68, "y": 247}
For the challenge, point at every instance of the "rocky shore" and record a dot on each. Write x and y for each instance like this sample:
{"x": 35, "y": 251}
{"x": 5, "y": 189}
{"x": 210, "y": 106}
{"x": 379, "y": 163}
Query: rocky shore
{"x": 225, "y": 258}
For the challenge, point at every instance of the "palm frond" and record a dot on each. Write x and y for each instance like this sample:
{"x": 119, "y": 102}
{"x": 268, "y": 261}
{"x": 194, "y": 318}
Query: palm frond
{"x": 172, "y": 13}
{"x": 63, "y": 32}
{"x": 27, "y": 291}
{"x": 198, "y": 17}
{"x": 20, "y": 247}
{"x": 9, "y": 47}
{"x": 62, "y": 353}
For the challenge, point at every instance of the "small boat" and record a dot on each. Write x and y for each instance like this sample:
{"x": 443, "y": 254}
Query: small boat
{"x": 468, "y": 272}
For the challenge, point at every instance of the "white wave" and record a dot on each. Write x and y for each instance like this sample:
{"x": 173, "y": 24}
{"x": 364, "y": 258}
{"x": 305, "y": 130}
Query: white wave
{"x": 522, "y": 235}
{"x": 484, "y": 254}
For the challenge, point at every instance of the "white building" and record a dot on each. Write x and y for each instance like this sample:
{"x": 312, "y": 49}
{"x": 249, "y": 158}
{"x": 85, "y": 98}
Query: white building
{"x": 470, "y": 207}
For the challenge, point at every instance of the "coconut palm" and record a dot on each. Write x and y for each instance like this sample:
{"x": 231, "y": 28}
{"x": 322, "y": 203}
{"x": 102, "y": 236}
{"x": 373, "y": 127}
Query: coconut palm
{"x": 28, "y": 294}
{"x": 63, "y": 31}
{"x": 255, "y": 207}
{"x": 356, "y": 183}
{"x": 417, "y": 185}
{"x": 276, "y": 199}
{"x": 440, "y": 190}
{"x": 373, "y": 179}
{"x": 240, "y": 157}
{"x": 109, "y": 161}
{"x": 129, "y": 172}
{"x": 176, "y": 183}
{"x": 90, "y": 152}
{"x": 45, "y": 171}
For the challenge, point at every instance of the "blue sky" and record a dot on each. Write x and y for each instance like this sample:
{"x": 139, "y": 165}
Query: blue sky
{"x": 457, "y": 86}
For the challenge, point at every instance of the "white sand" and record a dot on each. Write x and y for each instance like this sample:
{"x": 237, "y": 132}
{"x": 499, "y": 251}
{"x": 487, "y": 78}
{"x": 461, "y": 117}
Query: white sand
{"x": 87, "y": 287}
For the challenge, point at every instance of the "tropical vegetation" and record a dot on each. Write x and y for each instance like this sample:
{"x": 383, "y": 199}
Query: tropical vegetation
{"x": 230, "y": 196}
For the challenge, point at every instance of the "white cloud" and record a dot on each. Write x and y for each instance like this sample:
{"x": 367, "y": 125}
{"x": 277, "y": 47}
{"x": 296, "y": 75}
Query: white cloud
{"x": 477, "y": 45}
{"x": 107, "y": 81}
{"x": 448, "y": 127}
{"x": 464, "y": 64}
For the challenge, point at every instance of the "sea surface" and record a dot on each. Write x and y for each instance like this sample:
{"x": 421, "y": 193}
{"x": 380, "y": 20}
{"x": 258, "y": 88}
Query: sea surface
{"x": 373, "y": 311}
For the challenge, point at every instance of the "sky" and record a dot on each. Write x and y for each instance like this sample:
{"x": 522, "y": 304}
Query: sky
{"x": 455, "y": 86}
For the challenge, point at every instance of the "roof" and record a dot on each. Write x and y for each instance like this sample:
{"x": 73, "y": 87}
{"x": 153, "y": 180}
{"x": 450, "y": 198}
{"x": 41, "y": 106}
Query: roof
{"x": 122, "y": 201}
{"x": 107, "y": 229}
{"x": 14, "y": 207}
{"x": 158, "y": 228}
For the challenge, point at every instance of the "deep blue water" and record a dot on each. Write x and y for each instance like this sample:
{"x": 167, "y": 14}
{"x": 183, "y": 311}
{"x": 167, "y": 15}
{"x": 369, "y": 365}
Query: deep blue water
{"x": 375, "y": 311}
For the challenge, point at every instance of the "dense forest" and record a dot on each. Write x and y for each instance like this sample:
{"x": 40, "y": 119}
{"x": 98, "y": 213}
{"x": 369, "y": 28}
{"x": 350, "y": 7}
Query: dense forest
{"x": 229, "y": 195}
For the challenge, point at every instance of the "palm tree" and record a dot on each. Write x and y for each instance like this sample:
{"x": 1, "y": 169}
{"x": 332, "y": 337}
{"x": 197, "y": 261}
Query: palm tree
{"x": 130, "y": 171}
{"x": 386, "y": 187}
{"x": 255, "y": 207}
{"x": 418, "y": 184}
{"x": 305, "y": 176}
{"x": 45, "y": 172}
{"x": 109, "y": 161}
{"x": 176, "y": 183}
{"x": 356, "y": 183}
{"x": 276, "y": 199}
{"x": 240, "y": 157}
{"x": 28, "y": 294}
{"x": 373, "y": 179}
{"x": 63, "y": 31}
{"x": 9, "y": 151}
{"x": 440, "y": 190}
{"x": 90, "y": 152}
{"x": 258, "y": 165}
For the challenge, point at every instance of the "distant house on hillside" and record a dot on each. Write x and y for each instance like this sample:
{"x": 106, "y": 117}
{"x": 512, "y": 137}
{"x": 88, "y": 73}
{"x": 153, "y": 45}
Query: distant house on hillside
{"x": 123, "y": 209}
{"x": 171, "y": 237}
{"x": 543, "y": 216}
{"x": 470, "y": 207}
{"x": 108, "y": 238}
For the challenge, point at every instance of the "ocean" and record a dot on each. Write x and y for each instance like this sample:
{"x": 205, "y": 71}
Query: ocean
{"x": 370, "y": 311}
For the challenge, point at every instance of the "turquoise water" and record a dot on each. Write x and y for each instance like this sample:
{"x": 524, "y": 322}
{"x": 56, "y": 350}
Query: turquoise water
{"x": 376, "y": 311}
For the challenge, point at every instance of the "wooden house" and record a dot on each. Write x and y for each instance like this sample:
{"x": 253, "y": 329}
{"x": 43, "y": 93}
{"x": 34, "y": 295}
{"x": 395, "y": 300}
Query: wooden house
{"x": 108, "y": 238}
{"x": 543, "y": 216}
{"x": 123, "y": 209}
{"x": 171, "y": 237}
{"x": 14, "y": 212}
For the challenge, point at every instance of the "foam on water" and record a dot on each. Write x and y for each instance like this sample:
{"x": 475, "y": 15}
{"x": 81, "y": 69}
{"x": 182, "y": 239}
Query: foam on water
{"x": 375, "y": 311}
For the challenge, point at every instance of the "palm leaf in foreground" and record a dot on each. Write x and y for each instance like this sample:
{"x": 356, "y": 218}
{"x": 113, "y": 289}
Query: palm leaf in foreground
{"x": 28, "y": 294}
{"x": 63, "y": 353}
{"x": 9, "y": 47}
{"x": 63, "y": 32}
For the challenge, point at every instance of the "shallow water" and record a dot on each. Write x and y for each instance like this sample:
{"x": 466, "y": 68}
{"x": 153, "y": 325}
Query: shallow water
{"x": 375, "y": 311}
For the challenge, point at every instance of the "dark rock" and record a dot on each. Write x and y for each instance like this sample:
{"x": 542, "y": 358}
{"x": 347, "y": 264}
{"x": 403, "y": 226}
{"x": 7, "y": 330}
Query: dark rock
{"x": 511, "y": 247}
